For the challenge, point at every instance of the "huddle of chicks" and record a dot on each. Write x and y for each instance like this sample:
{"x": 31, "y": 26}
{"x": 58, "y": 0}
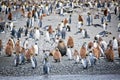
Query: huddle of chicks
{"x": 89, "y": 53}
{"x": 62, "y": 50}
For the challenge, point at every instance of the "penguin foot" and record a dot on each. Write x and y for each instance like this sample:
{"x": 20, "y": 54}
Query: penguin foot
{"x": 84, "y": 67}
{"x": 33, "y": 67}
{"x": 8, "y": 55}
{"x": 76, "y": 62}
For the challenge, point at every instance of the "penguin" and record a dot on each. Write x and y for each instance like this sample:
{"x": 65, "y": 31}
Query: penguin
{"x": 57, "y": 55}
{"x": 37, "y": 34}
{"x": 32, "y": 57}
{"x": 36, "y": 49}
{"x": 46, "y": 65}
{"x": 103, "y": 45}
{"x": 22, "y": 56}
{"x": 83, "y": 56}
{"x": 92, "y": 59}
{"x": 50, "y": 29}
{"x": 11, "y": 43}
{"x": 16, "y": 59}
{"x": 76, "y": 56}
{"x": 84, "y": 63}
{"x": 17, "y": 47}
{"x": 28, "y": 53}
{"x": 47, "y": 36}
{"x": 68, "y": 27}
{"x": 8, "y": 50}
{"x": 79, "y": 25}
{"x": 83, "y": 52}
{"x": 80, "y": 19}
{"x": 115, "y": 43}
{"x": 17, "y": 53}
{"x": 65, "y": 21}
{"x": 62, "y": 47}
{"x": 25, "y": 43}
{"x": 109, "y": 53}
{"x": 96, "y": 52}
{"x": 106, "y": 12}
{"x": 69, "y": 53}
{"x": 90, "y": 46}
{"x": 34, "y": 62}
{"x": 83, "y": 33}
{"x": 70, "y": 42}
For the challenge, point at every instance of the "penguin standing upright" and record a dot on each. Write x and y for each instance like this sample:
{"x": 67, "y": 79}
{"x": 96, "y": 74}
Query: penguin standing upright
{"x": 84, "y": 63}
{"x": 115, "y": 43}
{"x": 83, "y": 33}
{"x": 22, "y": 56}
{"x": 83, "y": 51}
{"x": 76, "y": 56}
{"x": 62, "y": 47}
{"x": 69, "y": 53}
{"x": 70, "y": 42}
{"x": 36, "y": 49}
{"x": 32, "y": 57}
{"x": 46, "y": 65}
{"x": 33, "y": 61}
{"x": 16, "y": 60}
{"x": 17, "y": 51}
{"x": 8, "y": 49}
{"x": 37, "y": 34}
{"x": 47, "y": 36}
{"x": 25, "y": 43}
{"x": 92, "y": 58}
{"x": 109, "y": 53}
{"x": 57, "y": 55}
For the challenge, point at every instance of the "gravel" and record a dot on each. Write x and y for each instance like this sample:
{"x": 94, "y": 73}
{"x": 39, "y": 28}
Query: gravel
{"x": 62, "y": 68}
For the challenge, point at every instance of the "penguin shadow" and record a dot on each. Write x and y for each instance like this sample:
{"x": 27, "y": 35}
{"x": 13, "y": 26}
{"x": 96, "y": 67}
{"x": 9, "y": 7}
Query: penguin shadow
{"x": 77, "y": 32}
{"x": 85, "y": 37}
{"x": 57, "y": 62}
{"x": 110, "y": 61}
{"x": 117, "y": 61}
{"x": 68, "y": 59}
{"x": 46, "y": 76}
{"x": 97, "y": 25}
{"x": 76, "y": 63}
{"x": 7, "y": 55}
